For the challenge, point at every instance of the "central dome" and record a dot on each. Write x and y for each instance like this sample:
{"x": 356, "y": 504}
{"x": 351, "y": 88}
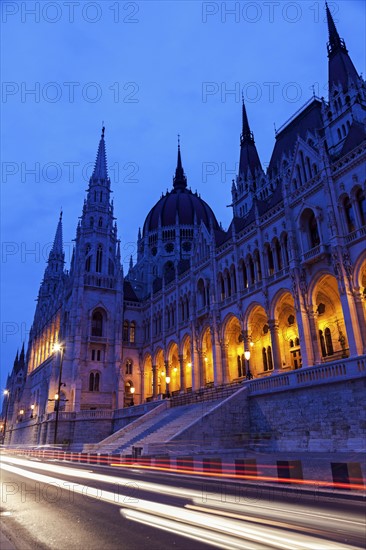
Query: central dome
{"x": 179, "y": 206}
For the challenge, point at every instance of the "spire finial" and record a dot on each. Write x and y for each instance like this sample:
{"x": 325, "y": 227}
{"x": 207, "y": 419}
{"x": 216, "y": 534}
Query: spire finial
{"x": 335, "y": 42}
{"x": 103, "y": 129}
{"x": 100, "y": 167}
{"x": 179, "y": 180}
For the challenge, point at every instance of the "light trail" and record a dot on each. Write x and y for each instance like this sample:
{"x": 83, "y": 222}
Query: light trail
{"x": 205, "y": 525}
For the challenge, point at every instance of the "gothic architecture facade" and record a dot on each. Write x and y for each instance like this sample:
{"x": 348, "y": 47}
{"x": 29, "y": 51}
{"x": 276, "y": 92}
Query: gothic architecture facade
{"x": 283, "y": 288}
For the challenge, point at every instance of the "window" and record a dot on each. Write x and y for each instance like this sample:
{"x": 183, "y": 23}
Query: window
{"x": 99, "y": 354}
{"x": 313, "y": 231}
{"x": 98, "y": 265}
{"x": 93, "y": 354}
{"x": 128, "y": 366}
{"x": 94, "y": 380}
{"x": 132, "y": 332}
{"x": 97, "y": 324}
{"x": 100, "y": 222}
{"x": 88, "y": 257}
{"x": 269, "y": 357}
{"x": 125, "y": 331}
{"x": 265, "y": 363}
{"x": 360, "y": 198}
{"x": 350, "y": 218}
{"x": 328, "y": 341}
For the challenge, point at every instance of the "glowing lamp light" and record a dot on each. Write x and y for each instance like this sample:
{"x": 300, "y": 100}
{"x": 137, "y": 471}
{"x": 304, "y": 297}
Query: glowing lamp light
{"x": 251, "y": 344}
{"x": 132, "y": 390}
{"x": 57, "y": 347}
{"x": 21, "y": 411}
{"x": 167, "y": 379}
{"x": 32, "y": 407}
{"x": 175, "y": 369}
{"x": 189, "y": 365}
{"x": 247, "y": 355}
{"x": 56, "y": 396}
{"x": 6, "y": 392}
{"x": 206, "y": 359}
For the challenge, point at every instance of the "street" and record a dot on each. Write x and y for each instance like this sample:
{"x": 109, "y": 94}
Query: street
{"x": 57, "y": 504}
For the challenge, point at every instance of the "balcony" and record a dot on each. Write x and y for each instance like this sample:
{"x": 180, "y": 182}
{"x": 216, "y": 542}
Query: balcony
{"x": 315, "y": 254}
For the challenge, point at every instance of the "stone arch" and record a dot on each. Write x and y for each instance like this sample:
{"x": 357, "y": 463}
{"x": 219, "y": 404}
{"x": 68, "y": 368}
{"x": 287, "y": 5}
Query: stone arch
{"x": 186, "y": 352}
{"x": 234, "y": 341}
{"x": 174, "y": 367}
{"x": 259, "y": 340}
{"x": 329, "y": 318}
{"x": 148, "y": 375}
{"x": 284, "y": 313}
{"x": 207, "y": 356}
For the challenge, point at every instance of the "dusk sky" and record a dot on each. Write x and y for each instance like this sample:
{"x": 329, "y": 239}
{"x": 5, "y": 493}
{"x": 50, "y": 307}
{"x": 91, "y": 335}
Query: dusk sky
{"x": 149, "y": 70}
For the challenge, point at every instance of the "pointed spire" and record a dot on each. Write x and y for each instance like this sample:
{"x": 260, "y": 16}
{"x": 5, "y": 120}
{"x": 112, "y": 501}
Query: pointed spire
{"x": 246, "y": 135}
{"x": 180, "y": 180}
{"x": 341, "y": 70}
{"x": 100, "y": 168}
{"x": 249, "y": 161}
{"x": 57, "y": 247}
{"x": 334, "y": 39}
{"x": 131, "y": 262}
{"x": 16, "y": 360}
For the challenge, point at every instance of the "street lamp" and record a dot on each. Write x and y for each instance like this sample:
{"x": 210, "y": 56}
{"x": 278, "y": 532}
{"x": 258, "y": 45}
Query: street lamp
{"x": 167, "y": 380}
{"x": 58, "y": 348}
{"x": 247, "y": 357}
{"x": 7, "y": 395}
{"x": 32, "y": 409}
{"x": 132, "y": 391}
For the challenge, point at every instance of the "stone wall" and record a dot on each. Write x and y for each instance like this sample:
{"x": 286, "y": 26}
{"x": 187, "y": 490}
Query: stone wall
{"x": 328, "y": 418}
{"x": 225, "y": 425}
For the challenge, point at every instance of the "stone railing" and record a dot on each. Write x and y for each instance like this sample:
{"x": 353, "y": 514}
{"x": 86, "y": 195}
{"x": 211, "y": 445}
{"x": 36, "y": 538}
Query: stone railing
{"x": 82, "y": 415}
{"x": 320, "y": 374}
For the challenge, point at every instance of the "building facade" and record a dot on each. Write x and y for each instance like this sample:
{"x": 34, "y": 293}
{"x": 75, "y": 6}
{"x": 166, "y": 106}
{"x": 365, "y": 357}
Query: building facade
{"x": 283, "y": 288}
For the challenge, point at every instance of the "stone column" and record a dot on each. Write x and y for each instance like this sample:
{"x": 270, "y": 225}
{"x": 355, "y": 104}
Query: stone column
{"x": 306, "y": 346}
{"x": 216, "y": 358}
{"x": 360, "y": 316}
{"x": 225, "y": 371}
{"x": 182, "y": 374}
{"x": 155, "y": 380}
{"x": 275, "y": 340}
{"x": 314, "y": 337}
{"x": 351, "y": 323}
{"x": 142, "y": 385}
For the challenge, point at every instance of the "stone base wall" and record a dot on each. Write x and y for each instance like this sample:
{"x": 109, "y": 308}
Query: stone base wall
{"x": 327, "y": 419}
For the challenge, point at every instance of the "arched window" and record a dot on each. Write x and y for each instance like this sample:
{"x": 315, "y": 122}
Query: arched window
{"x": 228, "y": 278}
{"x": 128, "y": 366}
{"x": 91, "y": 221}
{"x": 88, "y": 258}
{"x": 322, "y": 343}
{"x": 313, "y": 230}
{"x": 265, "y": 363}
{"x": 91, "y": 381}
{"x": 96, "y": 381}
{"x": 339, "y": 133}
{"x": 251, "y": 268}
{"x": 98, "y": 265}
{"x": 245, "y": 275}
{"x": 270, "y": 261}
{"x": 328, "y": 341}
{"x": 125, "y": 331}
{"x": 201, "y": 294}
{"x": 269, "y": 357}
{"x": 350, "y": 218}
{"x": 97, "y": 324}
{"x": 360, "y": 198}
{"x": 100, "y": 222}
{"x": 222, "y": 287}
{"x": 132, "y": 332}
{"x": 278, "y": 254}
{"x": 240, "y": 374}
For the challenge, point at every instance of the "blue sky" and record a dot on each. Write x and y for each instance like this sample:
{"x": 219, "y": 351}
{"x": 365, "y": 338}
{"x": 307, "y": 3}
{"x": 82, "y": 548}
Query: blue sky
{"x": 149, "y": 70}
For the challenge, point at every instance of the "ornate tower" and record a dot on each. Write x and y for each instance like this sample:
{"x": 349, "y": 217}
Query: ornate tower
{"x": 250, "y": 176}
{"x": 93, "y": 311}
{"x": 344, "y": 114}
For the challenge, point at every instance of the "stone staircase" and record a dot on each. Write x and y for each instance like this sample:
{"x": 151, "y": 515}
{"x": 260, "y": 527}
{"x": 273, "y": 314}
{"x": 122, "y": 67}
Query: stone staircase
{"x": 152, "y": 428}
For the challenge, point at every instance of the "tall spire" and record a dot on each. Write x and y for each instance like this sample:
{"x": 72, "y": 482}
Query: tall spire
{"x": 249, "y": 160}
{"x": 334, "y": 40}
{"x": 57, "y": 247}
{"x": 246, "y": 135}
{"x": 341, "y": 69}
{"x": 100, "y": 168}
{"x": 180, "y": 180}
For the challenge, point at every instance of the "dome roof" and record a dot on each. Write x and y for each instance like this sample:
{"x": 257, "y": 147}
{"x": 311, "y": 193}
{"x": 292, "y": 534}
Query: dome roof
{"x": 180, "y": 206}
{"x": 187, "y": 206}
